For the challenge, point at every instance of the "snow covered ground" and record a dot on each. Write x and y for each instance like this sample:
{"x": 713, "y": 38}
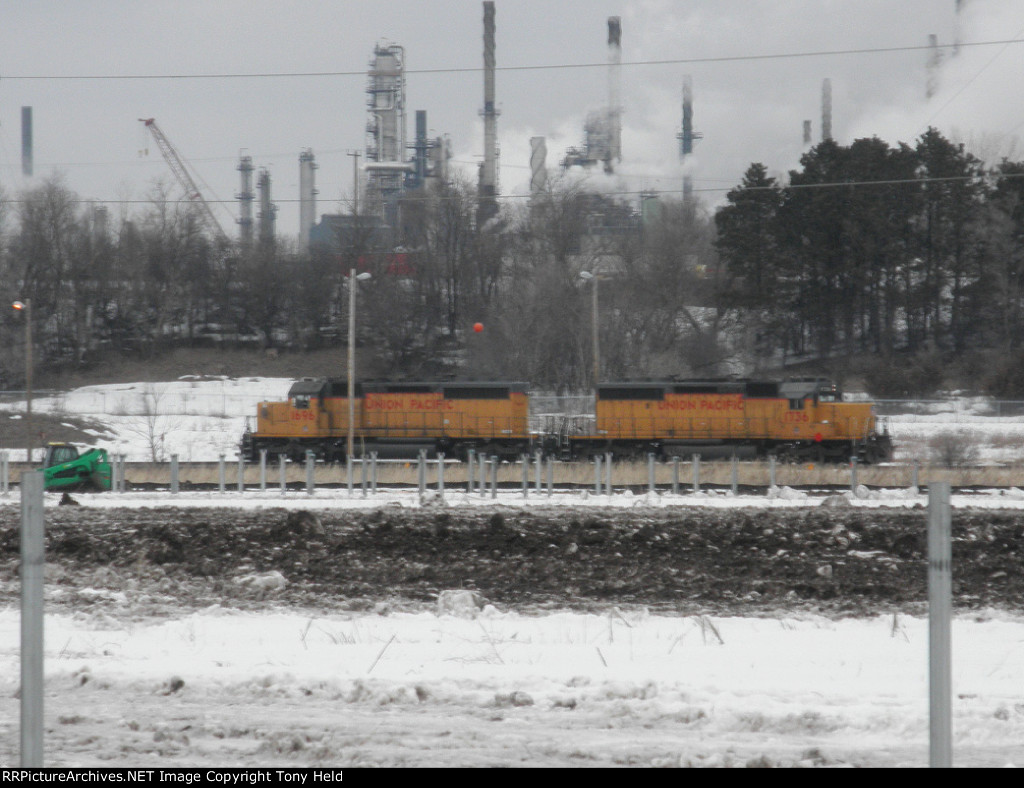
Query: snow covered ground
{"x": 623, "y": 688}
{"x": 198, "y": 420}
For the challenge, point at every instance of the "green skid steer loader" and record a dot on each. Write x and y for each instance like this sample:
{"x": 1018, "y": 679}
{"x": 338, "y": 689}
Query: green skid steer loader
{"x": 66, "y": 469}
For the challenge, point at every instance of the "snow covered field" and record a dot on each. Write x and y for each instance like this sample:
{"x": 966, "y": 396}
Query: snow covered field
{"x": 623, "y": 688}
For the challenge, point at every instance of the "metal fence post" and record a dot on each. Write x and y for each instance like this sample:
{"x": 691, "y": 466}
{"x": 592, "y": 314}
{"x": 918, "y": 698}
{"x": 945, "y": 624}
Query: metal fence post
{"x": 362, "y": 472}
{"x": 220, "y": 473}
{"x": 650, "y": 472}
{"x": 32, "y": 564}
{"x": 174, "y": 474}
{"x": 373, "y": 472}
{"x": 263, "y": 470}
{"x": 771, "y": 471}
{"x": 853, "y": 475}
{"x": 283, "y": 472}
{"x": 735, "y": 475}
{"x": 348, "y": 473}
{"x": 310, "y": 472}
{"x": 470, "y": 457}
{"x": 525, "y": 459}
{"x": 494, "y": 477}
{"x": 482, "y": 469}
{"x": 675, "y": 476}
{"x": 421, "y": 468}
{"x": 538, "y": 465}
{"x": 5, "y": 484}
{"x": 608, "y": 473}
{"x": 696, "y": 473}
{"x": 940, "y": 681}
{"x": 551, "y": 477}
{"x": 440, "y": 475}
{"x": 597, "y": 474}
{"x": 241, "y": 473}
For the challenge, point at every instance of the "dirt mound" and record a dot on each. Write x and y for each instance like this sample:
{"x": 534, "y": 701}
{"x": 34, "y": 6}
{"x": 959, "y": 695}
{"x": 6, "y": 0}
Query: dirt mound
{"x": 837, "y": 562}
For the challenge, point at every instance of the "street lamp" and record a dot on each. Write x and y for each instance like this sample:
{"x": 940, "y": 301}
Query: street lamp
{"x": 352, "y": 279}
{"x": 26, "y": 307}
{"x": 586, "y": 276}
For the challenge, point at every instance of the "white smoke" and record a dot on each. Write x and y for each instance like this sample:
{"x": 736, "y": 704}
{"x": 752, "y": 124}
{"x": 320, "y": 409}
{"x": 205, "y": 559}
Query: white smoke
{"x": 977, "y": 99}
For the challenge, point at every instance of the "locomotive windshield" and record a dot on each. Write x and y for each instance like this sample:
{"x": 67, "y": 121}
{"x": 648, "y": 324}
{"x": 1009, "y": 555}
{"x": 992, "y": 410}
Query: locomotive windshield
{"x": 820, "y": 389}
{"x": 302, "y": 392}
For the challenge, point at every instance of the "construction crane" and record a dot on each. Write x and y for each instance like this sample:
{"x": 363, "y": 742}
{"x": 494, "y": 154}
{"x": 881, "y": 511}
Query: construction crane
{"x": 177, "y": 166}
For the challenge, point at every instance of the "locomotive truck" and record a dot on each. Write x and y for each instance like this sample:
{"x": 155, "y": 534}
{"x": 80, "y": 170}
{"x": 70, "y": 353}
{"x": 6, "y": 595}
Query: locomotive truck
{"x": 795, "y": 419}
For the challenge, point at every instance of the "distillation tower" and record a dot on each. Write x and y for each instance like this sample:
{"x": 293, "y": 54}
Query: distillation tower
{"x": 245, "y": 199}
{"x": 603, "y": 128}
{"x": 386, "y": 166}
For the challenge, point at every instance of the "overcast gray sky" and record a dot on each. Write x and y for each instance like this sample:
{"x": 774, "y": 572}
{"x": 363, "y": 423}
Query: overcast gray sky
{"x": 748, "y": 110}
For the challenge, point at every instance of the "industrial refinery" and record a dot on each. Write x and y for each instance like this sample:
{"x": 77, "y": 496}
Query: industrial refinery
{"x": 394, "y": 160}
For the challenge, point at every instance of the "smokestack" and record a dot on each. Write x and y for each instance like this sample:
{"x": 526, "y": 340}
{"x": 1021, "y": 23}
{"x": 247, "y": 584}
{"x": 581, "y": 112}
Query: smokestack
{"x": 826, "y": 110}
{"x": 958, "y": 33}
{"x": 538, "y": 165}
{"x": 807, "y": 134}
{"x": 422, "y": 149}
{"x": 488, "y": 206}
{"x": 934, "y": 63}
{"x": 307, "y": 196}
{"x": 245, "y": 198}
{"x": 268, "y": 211}
{"x": 614, "y": 152}
{"x": 26, "y": 141}
{"x": 689, "y": 136}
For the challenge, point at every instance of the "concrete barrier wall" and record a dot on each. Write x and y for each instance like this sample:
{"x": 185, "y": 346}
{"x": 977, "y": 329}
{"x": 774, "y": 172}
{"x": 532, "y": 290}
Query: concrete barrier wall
{"x": 634, "y": 474}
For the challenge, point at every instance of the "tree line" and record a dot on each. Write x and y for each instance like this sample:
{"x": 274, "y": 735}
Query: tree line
{"x": 911, "y": 257}
{"x": 901, "y": 263}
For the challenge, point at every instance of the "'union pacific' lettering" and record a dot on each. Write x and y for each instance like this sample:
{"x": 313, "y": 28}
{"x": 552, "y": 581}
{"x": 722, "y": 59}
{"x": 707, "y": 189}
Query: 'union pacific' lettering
{"x": 725, "y": 403}
{"x": 411, "y": 402}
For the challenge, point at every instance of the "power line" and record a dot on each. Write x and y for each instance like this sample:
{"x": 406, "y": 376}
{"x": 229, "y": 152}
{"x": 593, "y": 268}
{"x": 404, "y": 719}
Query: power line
{"x": 972, "y": 80}
{"x": 479, "y": 69}
{"x": 624, "y": 193}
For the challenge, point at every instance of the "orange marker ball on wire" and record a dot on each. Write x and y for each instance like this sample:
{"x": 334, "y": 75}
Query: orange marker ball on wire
{"x": 478, "y": 327}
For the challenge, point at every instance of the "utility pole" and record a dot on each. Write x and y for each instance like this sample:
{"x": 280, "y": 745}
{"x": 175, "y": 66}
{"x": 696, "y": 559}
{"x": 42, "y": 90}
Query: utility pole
{"x": 26, "y": 307}
{"x": 592, "y": 278}
{"x": 355, "y": 181}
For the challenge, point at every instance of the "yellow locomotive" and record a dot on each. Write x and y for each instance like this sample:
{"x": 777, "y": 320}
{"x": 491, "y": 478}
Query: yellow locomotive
{"x": 795, "y": 419}
{"x": 394, "y": 420}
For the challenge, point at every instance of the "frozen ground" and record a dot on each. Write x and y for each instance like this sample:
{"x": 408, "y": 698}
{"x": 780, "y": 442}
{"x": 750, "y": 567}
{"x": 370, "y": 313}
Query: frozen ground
{"x": 185, "y": 636}
{"x": 289, "y": 688}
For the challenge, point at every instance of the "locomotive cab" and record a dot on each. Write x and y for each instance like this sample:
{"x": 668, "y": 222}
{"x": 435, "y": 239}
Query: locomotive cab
{"x": 315, "y": 411}
{"x": 831, "y": 428}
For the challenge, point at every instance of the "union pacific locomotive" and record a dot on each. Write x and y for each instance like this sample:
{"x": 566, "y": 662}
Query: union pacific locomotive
{"x": 798, "y": 419}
